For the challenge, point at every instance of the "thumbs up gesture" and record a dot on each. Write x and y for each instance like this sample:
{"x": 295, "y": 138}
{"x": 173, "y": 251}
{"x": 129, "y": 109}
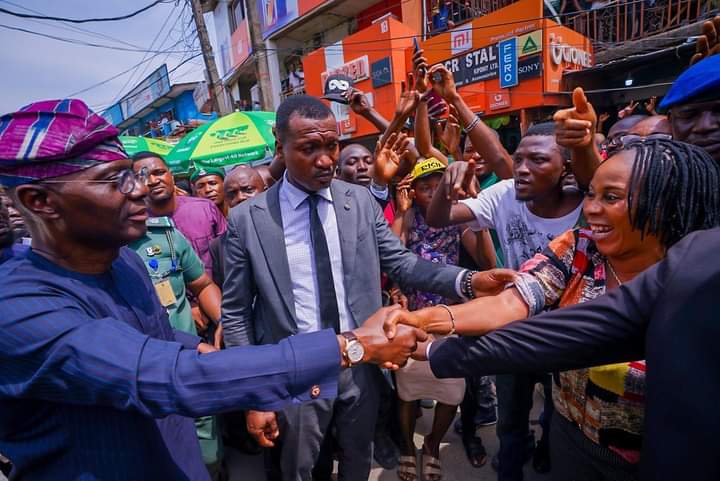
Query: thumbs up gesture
{"x": 576, "y": 126}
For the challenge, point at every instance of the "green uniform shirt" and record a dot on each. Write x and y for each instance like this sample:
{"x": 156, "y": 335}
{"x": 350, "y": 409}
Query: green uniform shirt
{"x": 155, "y": 249}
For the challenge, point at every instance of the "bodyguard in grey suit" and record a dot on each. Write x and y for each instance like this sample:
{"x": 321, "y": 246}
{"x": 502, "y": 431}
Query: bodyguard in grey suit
{"x": 308, "y": 254}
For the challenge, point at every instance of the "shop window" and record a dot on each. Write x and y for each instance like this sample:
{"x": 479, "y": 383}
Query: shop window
{"x": 237, "y": 13}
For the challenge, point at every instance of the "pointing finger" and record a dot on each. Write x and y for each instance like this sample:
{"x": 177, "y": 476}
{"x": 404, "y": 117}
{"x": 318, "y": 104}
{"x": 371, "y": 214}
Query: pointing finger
{"x": 580, "y": 101}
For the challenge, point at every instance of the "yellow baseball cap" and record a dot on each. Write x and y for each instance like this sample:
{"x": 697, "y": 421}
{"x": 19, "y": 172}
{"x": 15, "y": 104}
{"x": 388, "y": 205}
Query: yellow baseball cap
{"x": 427, "y": 167}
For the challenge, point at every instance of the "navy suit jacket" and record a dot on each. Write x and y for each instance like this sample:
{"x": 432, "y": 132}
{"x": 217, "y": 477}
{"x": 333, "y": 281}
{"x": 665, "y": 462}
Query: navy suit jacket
{"x": 668, "y": 315}
{"x": 94, "y": 384}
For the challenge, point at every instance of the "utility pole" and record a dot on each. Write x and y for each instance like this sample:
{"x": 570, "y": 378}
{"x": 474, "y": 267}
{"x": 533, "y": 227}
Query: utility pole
{"x": 216, "y": 87}
{"x": 262, "y": 71}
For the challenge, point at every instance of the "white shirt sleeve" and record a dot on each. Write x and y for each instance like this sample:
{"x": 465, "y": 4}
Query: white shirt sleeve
{"x": 484, "y": 206}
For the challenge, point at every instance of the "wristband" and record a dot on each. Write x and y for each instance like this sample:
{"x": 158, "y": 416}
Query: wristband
{"x": 472, "y": 125}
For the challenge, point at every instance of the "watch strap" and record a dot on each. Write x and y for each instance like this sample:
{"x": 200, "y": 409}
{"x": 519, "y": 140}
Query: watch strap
{"x": 349, "y": 335}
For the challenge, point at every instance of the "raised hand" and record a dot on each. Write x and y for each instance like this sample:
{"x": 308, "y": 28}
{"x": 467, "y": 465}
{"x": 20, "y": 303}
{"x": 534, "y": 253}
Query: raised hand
{"x": 379, "y": 348}
{"x": 576, "y": 126}
{"x": 408, "y": 100}
{"x": 404, "y": 195}
{"x": 358, "y": 101}
{"x": 450, "y": 135}
{"x": 650, "y": 105}
{"x": 628, "y": 110}
{"x": 263, "y": 427}
{"x": 443, "y": 82}
{"x": 459, "y": 181}
{"x": 492, "y": 282}
{"x": 709, "y": 42}
{"x": 420, "y": 69}
{"x": 388, "y": 157}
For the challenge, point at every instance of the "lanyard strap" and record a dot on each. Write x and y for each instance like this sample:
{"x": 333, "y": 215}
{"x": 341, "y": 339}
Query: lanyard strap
{"x": 173, "y": 254}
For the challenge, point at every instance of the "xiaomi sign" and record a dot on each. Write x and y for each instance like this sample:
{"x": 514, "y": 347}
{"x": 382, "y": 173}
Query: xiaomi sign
{"x": 461, "y": 39}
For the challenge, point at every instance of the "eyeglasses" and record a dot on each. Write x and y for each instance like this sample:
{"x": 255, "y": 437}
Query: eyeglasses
{"x": 126, "y": 180}
{"x": 619, "y": 143}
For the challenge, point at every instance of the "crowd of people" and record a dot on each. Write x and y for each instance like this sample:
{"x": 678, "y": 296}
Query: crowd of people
{"x": 306, "y": 309}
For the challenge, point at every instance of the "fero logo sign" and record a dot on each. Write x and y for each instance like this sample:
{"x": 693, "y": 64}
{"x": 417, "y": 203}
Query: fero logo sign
{"x": 461, "y": 39}
{"x": 508, "y": 63}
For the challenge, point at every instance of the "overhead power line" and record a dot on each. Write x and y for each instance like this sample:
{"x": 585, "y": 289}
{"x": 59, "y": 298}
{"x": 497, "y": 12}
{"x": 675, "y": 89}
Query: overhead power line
{"x": 82, "y": 20}
{"x": 87, "y": 44}
{"x": 144, "y": 60}
{"x": 73, "y": 28}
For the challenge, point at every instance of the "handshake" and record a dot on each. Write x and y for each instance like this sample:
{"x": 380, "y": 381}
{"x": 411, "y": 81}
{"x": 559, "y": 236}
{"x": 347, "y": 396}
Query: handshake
{"x": 379, "y": 343}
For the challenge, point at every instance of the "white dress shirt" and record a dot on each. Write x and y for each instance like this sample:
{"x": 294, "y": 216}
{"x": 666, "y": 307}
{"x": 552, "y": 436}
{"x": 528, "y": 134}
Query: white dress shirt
{"x": 295, "y": 212}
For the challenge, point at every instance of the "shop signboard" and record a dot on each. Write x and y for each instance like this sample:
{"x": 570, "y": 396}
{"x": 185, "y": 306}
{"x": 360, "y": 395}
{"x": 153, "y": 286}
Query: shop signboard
{"x": 357, "y": 69}
{"x": 275, "y": 14}
{"x": 461, "y": 39}
{"x": 530, "y": 67}
{"x": 530, "y": 43}
{"x": 482, "y": 64}
{"x": 146, "y": 92}
{"x": 499, "y": 100}
{"x": 476, "y": 66}
{"x": 113, "y": 114}
{"x": 508, "y": 62}
{"x": 381, "y": 72}
{"x": 240, "y": 45}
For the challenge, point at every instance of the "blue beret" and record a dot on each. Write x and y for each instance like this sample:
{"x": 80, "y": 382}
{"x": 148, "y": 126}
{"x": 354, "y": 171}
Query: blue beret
{"x": 700, "y": 80}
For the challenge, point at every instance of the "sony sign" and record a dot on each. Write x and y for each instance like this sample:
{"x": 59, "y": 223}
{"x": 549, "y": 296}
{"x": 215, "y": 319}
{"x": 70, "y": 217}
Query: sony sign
{"x": 562, "y": 53}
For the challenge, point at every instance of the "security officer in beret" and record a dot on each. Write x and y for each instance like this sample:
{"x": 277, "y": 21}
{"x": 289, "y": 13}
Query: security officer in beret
{"x": 174, "y": 269}
{"x": 208, "y": 183}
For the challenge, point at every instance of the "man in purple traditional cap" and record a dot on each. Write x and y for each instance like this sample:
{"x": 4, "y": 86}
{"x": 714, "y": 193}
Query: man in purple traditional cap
{"x": 95, "y": 385}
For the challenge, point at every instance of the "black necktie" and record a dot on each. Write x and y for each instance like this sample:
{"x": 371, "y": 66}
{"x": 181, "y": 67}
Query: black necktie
{"x": 329, "y": 314}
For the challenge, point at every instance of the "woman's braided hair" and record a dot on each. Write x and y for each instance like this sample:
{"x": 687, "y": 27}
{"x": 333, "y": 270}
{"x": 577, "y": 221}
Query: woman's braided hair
{"x": 674, "y": 189}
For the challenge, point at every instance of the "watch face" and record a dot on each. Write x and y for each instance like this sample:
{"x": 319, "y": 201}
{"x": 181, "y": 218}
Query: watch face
{"x": 355, "y": 352}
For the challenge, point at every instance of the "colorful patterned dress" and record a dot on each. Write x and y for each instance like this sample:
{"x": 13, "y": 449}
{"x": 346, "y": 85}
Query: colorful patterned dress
{"x": 416, "y": 380}
{"x": 606, "y": 402}
{"x": 440, "y": 246}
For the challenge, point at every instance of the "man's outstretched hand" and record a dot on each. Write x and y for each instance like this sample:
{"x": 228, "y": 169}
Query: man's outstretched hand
{"x": 459, "y": 181}
{"x": 576, "y": 126}
{"x": 379, "y": 349}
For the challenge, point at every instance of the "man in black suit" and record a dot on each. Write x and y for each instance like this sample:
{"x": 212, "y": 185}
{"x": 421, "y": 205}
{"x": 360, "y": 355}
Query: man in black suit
{"x": 667, "y": 315}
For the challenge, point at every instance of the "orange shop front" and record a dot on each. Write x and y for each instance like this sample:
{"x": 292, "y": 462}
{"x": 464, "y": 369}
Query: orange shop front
{"x": 375, "y": 59}
{"x": 509, "y": 65}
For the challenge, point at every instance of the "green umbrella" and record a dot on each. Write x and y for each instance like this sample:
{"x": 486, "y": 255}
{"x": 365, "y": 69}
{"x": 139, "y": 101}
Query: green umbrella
{"x": 133, "y": 145}
{"x": 237, "y": 138}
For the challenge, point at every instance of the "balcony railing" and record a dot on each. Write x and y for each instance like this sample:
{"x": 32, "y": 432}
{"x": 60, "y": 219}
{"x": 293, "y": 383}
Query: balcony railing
{"x": 289, "y": 92}
{"x": 609, "y": 25}
{"x": 442, "y": 15}
{"x": 620, "y": 21}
